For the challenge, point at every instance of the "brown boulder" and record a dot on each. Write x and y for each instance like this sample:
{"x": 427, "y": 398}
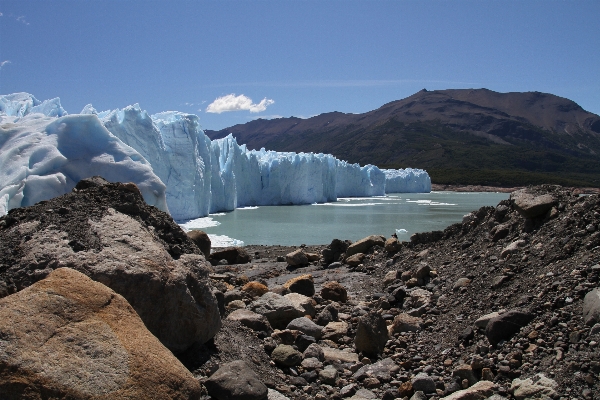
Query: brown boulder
{"x": 70, "y": 337}
{"x": 172, "y": 296}
{"x": 296, "y": 258}
{"x": 302, "y": 284}
{"x": 334, "y": 291}
{"x": 355, "y": 260}
{"x": 364, "y": 245}
{"x": 392, "y": 245}
{"x": 201, "y": 239}
{"x": 233, "y": 255}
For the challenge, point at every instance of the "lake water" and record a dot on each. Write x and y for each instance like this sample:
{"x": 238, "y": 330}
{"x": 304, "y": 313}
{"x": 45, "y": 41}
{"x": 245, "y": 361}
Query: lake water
{"x": 348, "y": 218}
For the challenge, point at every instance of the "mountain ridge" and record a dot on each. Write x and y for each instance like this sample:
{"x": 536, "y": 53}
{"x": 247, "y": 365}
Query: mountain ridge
{"x": 461, "y": 136}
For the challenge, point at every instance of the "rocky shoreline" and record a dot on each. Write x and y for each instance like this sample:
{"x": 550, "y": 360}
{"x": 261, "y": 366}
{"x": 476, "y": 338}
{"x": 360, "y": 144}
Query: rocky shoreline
{"x": 504, "y": 305}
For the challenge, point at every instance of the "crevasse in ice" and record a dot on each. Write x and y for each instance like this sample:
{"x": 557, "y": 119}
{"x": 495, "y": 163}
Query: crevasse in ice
{"x": 44, "y": 152}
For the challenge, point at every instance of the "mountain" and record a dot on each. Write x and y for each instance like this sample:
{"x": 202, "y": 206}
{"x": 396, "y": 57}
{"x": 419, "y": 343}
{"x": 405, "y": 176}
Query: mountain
{"x": 466, "y": 136}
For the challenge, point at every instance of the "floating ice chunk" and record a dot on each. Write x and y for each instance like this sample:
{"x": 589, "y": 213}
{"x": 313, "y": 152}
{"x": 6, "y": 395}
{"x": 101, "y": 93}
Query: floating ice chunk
{"x": 224, "y": 241}
{"x": 199, "y": 223}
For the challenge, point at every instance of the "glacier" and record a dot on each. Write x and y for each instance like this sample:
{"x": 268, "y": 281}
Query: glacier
{"x": 44, "y": 152}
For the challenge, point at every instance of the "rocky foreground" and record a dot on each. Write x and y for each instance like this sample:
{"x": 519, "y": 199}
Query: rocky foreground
{"x": 505, "y": 304}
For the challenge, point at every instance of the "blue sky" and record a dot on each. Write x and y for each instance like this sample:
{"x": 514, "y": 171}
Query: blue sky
{"x": 293, "y": 58}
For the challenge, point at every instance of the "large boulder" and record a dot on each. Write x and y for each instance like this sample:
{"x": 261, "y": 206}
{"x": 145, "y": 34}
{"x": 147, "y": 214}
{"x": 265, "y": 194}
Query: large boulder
{"x": 69, "y": 337}
{"x": 364, "y": 245}
{"x": 504, "y": 326}
{"x": 531, "y": 205}
{"x": 106, "y": 231}
{"x": 236, "y": 381}
{"x": 278, "y": 310}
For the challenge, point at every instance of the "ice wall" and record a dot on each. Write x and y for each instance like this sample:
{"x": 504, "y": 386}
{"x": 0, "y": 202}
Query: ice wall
{"x": 44, "y": 152}
{"x": 43, "y": 156}
{"x": 407, "y": 180}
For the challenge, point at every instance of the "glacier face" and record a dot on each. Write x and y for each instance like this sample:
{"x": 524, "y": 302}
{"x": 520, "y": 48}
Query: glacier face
{"x": 44, "y": 153}
{"x": 169, "y": 148}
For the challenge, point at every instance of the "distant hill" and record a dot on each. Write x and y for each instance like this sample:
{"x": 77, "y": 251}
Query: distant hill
{"x": 461, "y": 136}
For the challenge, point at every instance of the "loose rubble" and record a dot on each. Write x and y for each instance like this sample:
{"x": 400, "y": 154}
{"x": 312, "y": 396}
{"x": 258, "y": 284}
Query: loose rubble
{"x": 503, "y": 305}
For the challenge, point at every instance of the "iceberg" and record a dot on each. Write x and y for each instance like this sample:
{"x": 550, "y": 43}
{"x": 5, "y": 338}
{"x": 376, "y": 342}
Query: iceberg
{"x": 44, "y": 152}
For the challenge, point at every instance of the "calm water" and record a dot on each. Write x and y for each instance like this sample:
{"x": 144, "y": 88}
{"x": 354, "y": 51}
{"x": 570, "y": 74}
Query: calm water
{"x": 348, "y": 218}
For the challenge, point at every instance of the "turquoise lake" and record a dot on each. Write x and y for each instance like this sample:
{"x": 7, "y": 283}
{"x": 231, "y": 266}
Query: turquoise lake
{"x": 348, "y": 218}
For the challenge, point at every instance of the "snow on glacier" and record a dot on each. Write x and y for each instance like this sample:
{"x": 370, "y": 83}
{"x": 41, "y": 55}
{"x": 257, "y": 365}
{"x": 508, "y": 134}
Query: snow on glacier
{"x": 43, "y": 156}
{"x": 170, "y": 148}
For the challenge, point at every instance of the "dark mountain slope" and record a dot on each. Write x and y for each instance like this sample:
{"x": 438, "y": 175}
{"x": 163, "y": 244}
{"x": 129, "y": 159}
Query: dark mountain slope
{"x": 460, "y": 136}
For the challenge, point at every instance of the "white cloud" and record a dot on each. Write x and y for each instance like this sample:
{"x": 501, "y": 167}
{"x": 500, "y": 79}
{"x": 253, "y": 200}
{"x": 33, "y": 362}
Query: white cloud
{"x": 231, "y": 102}
{"x": 22, "y": 20}
{"x": 3, "y": 63}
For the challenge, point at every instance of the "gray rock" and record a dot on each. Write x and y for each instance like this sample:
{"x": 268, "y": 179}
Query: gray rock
{"x": 305, "y": 325}
{"x": 513, "y": 248}
{"x": 482, "y": 322}
{"x": 371, "y": 334}
{"x": 286, "y": 356}
{"x": 335, "y": 331}
{"x": 382, "y": 370}
{"x": 236, "y": 381}
{"x": 327, "y": 315}
{"x": 314, "y": 351}
{"x": 364, "y": 394}
{"x": 531, "y": 205}
{"x": 311, "y": 363}
{"x": 304, "y": 304}
{"x": 591, "y": 307}
{"x": 390, "y": 277}
{"x": 348, "y": 390}
{"x": 423, "y": 383}
{"x": 278, "y": 310}
{"x": 504, "y": 326}
{"x": 537, "y": 387}
{"x": 461, "y": 282}
{"x": 480, "y": 390}
{"x": 363, "y": 245}
{"x": 465, "y": 371}
{"x": 328, "y": 375}
{"x": 419, "y": 395}
{"x": 423, "y": 271}
{"x": 252, "y": 320}
{"x": 275, "y": 395}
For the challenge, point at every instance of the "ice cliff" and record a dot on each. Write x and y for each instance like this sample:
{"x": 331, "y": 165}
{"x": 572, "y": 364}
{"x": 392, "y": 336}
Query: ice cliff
{"x": 44, "y": 152}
